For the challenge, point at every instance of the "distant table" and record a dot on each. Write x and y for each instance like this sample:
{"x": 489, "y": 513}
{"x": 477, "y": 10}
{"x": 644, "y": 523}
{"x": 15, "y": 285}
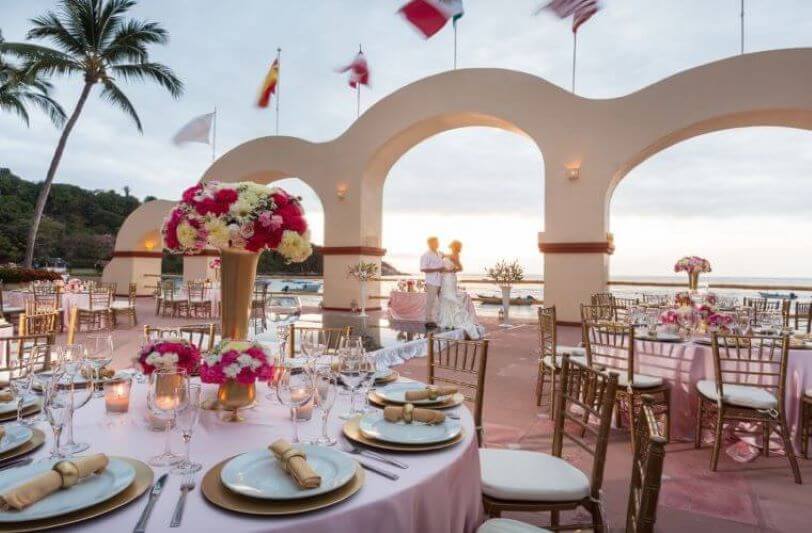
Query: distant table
{"x": 411, "y": 306}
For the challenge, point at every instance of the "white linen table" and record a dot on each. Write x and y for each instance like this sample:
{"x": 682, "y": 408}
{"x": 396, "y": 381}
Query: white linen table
{"x": 411, "y": 306}
{"x": 439, "y": 492}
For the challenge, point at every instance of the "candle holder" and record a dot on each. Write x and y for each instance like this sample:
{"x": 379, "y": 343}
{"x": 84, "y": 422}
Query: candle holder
{"x": 117, "y": 395}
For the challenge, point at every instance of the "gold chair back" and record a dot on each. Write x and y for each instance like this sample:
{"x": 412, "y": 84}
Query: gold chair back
{"x": 13, "y": 347}
{"x": 204, "y": 336}
{"x": 802, "y": 320}
{"x": 597, "y": 313}
{"x": 647, "y": 471}
{"x": 39, "y": 323}
{"x": 612, "y": 346}
{"x": 547, "y": 335}
{"x": 99, "y": 299}
{"x": 334, "y": 337}
{"x": 196, "y": 291}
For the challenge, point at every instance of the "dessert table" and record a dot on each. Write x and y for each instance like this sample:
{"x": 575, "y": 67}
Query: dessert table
{"x": 411, "y": 306}
{"x": 440, "y": 491}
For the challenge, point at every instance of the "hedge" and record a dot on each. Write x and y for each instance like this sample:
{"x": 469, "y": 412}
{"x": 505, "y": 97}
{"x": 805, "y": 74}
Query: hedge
{"x": 26, "y": 275}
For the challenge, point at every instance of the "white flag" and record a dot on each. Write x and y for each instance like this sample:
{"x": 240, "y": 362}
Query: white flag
{"x": 196, "y": 131}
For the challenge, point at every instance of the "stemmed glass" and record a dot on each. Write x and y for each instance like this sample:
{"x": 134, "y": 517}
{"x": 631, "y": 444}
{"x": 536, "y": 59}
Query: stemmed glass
{"x": 326, "y": 392}
{"x": 368, "y": 369}
{"x": 57, "y": 410}
{"x": 167, "y": 395}
{"x": 80, "y": 391}
{"x": 186, "y": 420}
{"x": 351, "y": 370}
{"x": 295, "y": 389}
{"x": 99, "y": 354}
{"x": 21, "y": 377}
{"x": 49, "y": 357}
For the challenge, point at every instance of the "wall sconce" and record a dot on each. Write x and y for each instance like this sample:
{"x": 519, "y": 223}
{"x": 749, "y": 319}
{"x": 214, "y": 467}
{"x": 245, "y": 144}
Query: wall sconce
{"x": 573, "y": 173}
{"x": 149, "y": 245}
{"x": 341, "y": 190}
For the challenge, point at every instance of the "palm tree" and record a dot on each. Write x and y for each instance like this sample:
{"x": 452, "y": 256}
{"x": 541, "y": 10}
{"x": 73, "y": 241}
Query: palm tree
{"x": 19, "y": 88}
{"x": 96, "y": 40}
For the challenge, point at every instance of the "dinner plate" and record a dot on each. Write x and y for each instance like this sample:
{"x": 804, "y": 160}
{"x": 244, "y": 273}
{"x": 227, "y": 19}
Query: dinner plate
{"x": 259, "y": 474}
{"x": 97, "y": 488}
{"x": 11, "y": 407}
{"x": 396, "y": 393}
{"x": 374, "y": 426}
{"x": 14, "y": 437}
{"x": 661, "y": 337}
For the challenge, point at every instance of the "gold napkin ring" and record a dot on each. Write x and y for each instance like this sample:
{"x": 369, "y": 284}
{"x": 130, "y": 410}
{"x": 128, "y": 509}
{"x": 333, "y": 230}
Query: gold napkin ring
{"x": 408, "y": 413}
{"x": 432, "y": 393}
{"x": 69, "y": 473}
{"x": 290, "y": 454}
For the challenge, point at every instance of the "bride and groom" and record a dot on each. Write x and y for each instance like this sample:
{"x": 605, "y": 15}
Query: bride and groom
{"x": 445, "y": 308}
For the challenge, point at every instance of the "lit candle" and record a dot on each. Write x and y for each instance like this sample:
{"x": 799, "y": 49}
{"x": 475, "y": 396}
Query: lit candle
{"x": 305, "y": 412}
{"x": 117, "y": 396}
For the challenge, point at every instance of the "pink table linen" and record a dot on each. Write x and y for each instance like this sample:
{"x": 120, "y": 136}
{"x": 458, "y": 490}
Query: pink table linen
{"x": 440, "y": 491}
{"x": 411, "y": 306}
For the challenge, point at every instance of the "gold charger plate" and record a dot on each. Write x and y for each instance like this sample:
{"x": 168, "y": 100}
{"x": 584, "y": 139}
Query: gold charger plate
{"x": 36, "y": 440}
{"x": 394, "y": 376}
{"x": 27, "y": 411}
{"x": 454, "y": 401}
{"x": 353, "y": 432}
{"x": 142, "y": 482}
{"x": 221, "y": 496}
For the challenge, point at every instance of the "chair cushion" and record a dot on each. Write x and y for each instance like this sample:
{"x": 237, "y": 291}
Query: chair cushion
{"x": 641, "y": 381}
{"x": 559, "y": 360}
{"x": 530, "y": 476}
{"x": 579, "y": 351}
{"x": 505, "y": 525}
{"x": 121, "y": 305}
{"x": 740, "y": 395}
{"x": 808, "y": 393}
{"x": 12, "y": 310}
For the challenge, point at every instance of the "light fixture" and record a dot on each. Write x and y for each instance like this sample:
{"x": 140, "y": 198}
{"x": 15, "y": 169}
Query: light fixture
{"x": 149, "y": 245}
{"x": 341, "y": 190}
{"x": 573, "y": 173}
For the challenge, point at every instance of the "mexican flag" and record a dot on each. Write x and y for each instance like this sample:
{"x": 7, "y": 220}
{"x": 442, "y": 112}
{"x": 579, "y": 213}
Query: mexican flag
{"x": 429, "y": 16}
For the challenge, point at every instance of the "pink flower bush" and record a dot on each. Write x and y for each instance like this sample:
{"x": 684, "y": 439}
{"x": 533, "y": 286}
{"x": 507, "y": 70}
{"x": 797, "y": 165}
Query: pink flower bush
{"x": 720, "y": 320}
{"x": 169, "y": 354}
{"x": 669, "y": 316}
{"x": 243, "y": 361}
{"x": 692, "y": 264}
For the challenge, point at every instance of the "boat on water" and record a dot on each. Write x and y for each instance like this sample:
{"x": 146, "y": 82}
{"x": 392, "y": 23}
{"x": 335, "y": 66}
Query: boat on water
{"x": 778, "y": 295}
{"x": 293, "y": 285}
{"x": 497, "y": 300}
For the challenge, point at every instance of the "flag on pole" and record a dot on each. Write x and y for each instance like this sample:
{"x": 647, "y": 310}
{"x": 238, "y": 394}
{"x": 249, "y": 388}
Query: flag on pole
{"x": 359, "y": 71}
{"x": 429, "y": 16}
{"x": 580, "y": 10}
{"x": 196, "y": 131}
{"x": 269, "y": 85}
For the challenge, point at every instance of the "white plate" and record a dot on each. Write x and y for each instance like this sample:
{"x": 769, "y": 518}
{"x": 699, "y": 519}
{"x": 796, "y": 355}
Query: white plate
{"x": 92, "y": 490}
{"x": 259, "y": 474}
{"x": 374, "y": 426}
{"x": 11, "y": 407}
{"x": 396, "y": 393}
{"x": 383, "y": 374}
{"x": 14, "y": 437}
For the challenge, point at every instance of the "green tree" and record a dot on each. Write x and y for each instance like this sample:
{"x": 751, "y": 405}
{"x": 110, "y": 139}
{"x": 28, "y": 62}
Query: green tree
{"x": 94, "y": 39}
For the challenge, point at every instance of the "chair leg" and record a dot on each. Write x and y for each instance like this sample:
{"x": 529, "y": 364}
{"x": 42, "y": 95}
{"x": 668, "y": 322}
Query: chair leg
{"x": 765, "y": 438}
{"x": 596, "y": 511}
{"x": 619, "y": 412}
{"x": 633, "y": 420}
{"x": 789, "y": 451}
{"x": 698, "y": 434}
{"x": 667, "y": 424}
{"x": 540, "y": 383}
{"x": 804, "y": 430}
{"x": 717, "y": 440}
{"x": 554, "y": 520}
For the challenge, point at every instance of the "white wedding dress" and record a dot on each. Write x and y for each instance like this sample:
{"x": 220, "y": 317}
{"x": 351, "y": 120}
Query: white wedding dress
{"x": 453, "y": 313}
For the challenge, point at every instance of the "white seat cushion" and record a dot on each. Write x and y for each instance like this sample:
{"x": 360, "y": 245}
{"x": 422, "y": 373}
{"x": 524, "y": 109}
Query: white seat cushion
{"x": 559, "y": 360}
{"x": 572, "y": 350}
{"x": 641, "y": 381}
{"x": 121, "y": 305}
{"x": 740, "y": 395}
{"x": 530, "y": 476}
{"x": 505, "y": 525}
{"x": 808, "y": 392}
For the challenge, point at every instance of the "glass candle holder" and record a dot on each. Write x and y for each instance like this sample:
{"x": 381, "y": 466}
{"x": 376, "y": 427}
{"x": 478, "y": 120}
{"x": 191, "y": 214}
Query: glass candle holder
{"x": 117, "y": 395}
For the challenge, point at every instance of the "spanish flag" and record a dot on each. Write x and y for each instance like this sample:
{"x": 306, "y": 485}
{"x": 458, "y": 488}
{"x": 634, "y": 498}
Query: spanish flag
{"x": 269, "y": 85}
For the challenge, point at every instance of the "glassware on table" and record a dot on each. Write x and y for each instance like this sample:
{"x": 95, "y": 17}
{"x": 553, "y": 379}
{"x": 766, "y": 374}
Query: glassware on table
{"x": 186, "y": 420}
{"x": 57, "y": 408}
{"x": 99, "y": 353}
{"x": 21, "y": 378}
{"x": 47, "y": 359}
{"x": 352, "y": 373}
{"x": 80, "y": 391}
{"x": 369, "y": 369}
{"x": 295, "y": 389}
{"x": 168, "y": 393}
{"x": 326, "y": 392}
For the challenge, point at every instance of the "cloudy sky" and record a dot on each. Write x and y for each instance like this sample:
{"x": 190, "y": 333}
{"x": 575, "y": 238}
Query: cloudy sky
{"x": 740, "y": 198}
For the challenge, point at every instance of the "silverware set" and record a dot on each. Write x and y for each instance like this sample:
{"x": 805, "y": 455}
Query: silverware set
{"x": 347, "y": 447}
{"x": 186, "y": 486}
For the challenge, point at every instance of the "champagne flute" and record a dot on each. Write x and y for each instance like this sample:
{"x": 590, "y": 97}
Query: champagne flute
{"x": 295, "y": 389}
{"x": 186, "y": 419}
{"x": 99, "y": 353}
{"x": 326, "y": 392}
{"x": 167, "y": 394}
{"x": 21, "y": 377}
{"x": 80, "y": 391}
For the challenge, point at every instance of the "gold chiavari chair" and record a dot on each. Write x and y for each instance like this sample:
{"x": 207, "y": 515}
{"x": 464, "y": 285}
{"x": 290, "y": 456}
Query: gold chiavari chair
{"x": 204, "y": 336}
{"x": 39, "y": 323}
{"x": 550, "y": 353}
{"x": 73, "y": 324}
{"x": 762, "y": 304}
{"x": 802, "y": 319}
{"x": 522, "y": 480}
{"x": 199, "y": 304}
{"x": 613, "y": 346}
{"x": 460, "y": 363}
{"x": 647, "y": 472}
{"x": 622, "y": 307}
{"x": 175, "y": 307}
{"x": 45, "y": 300}
{"x": 259, "y": 306}
{"x": 656, "y": 299}
{"x": 12, "y": 348}
{"x": 97, "y": 314}
{"x": 805, "y": 419}
{"x": 597, "y": 313}
{"x": 749, "y": 386}
{"x": 126, "y": 308}
{"x": 334, "y": 337}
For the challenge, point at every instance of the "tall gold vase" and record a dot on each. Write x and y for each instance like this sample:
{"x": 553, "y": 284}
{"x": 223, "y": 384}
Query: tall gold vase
{"x": 693, "y": 280}
{"x": 238, "y": 271}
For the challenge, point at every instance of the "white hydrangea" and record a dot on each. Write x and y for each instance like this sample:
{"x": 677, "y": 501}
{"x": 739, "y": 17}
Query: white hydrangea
{"x": 166, "y": 360}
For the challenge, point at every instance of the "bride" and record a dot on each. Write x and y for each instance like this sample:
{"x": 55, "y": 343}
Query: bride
{"x": 454, "y": 312}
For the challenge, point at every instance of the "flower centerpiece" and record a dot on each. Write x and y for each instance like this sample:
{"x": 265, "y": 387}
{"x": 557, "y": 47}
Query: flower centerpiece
{"x": 169, "y": 354}
{"x": 362, "y": 272}
{"x": 505, "y": 275}
{"x": 214, "y": 265}
{"x": 236, "y": 366}
{"x": 693, "y": 266}
{"x": 241, "y": 220}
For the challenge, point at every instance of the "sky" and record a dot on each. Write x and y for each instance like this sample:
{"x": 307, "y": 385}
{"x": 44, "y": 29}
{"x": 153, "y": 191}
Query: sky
{"x": 739, "y": 197}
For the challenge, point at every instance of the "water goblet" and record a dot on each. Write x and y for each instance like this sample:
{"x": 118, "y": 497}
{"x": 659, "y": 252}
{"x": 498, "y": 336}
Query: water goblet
{"x": 99, "y": 353}
{"x": 21, "y": 376}
{"x": 352, "y": 373}
{"x": 186, "y": 420}
{"x": 295, "y": 389}
{"x": 49, "y": 359}
{"x": 80, "y": 391}
{"x": 56, "y": 406}
{"x": 369, "y": 369}
{"x": 168, "y": 393}
{"x": 326, "y": 392}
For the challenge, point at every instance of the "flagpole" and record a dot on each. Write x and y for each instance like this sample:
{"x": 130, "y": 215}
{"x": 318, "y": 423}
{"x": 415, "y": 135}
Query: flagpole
{"x": 358, "y": 92}
{"x": 214, "y": 134}
{"x": 742, "y": 26}
{"x": 455, "y": 45}
{"x": 278, "y": 80}
{"x": 574, "y": 55}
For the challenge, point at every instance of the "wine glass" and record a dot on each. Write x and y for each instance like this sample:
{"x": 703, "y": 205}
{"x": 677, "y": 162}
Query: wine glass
{"x": 99, "y": 353}
{"x": 368, "y": 369}
{"x": 326, "y": 392}
{"x": 295, "y": 388}
{"x": 80, "y": 391}
{"x": 168, "y": 393}
{"x": 21, "y": 376}
{"x": 57, "y": 408}
{"x": 186, "y": 420}
{"x": 49, "y": 359}
{"x": 351, "y": 370}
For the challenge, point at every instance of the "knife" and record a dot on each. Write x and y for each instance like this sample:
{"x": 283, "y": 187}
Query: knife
{"x": 16, "y": 463}
{"x": 379, "y": 471}
{"x": 141, "y": 526}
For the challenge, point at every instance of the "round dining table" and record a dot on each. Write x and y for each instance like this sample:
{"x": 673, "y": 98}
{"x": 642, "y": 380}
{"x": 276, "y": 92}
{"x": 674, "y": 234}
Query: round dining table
{"x": 404, "y": 306}
{"x": 439, "y": 491}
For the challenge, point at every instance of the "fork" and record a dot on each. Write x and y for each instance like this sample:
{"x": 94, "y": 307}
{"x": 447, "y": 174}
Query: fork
{"x": 355, "y": 450}
{"x": 186, "y": 486}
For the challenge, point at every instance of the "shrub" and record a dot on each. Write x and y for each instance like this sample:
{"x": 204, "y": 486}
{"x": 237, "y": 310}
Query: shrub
{"x": 26, "y": 275}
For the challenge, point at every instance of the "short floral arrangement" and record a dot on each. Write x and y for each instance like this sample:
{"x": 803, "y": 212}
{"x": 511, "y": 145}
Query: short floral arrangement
{"x": 214, "y": 264}
{"x": 363, "y": 271}
{"x": 243, "y": 361}
{"x": 720, "y": 321}
{"x": 411, "y": 285}
{"x": 692, "y": 264}
{"x": 74, "y": 285}
{"x": 168, "y": 354}
{"x": 504, "y": 273}
{"x": 669, "y": 316}
{"x": 244, "y": 216}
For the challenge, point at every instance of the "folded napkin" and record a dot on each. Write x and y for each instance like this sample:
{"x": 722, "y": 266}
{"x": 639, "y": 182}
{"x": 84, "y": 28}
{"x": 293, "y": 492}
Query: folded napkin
{"x": 429, "y": 393}
{"x": 408, "y": 413}
{"x": 295, "y": 463}
{"x": 64, "y": 475}
{"x": 6, "y": 396}
{"x": 104, "y": 373}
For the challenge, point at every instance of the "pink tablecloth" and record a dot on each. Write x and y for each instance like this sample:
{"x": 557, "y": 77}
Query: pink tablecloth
{"x": 411, "y": 306}
{"x": 440, "y": 491}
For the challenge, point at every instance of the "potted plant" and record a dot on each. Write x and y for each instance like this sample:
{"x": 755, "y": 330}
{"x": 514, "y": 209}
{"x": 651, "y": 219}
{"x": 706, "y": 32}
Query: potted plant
{"x": 363, "y": 272}
{"x": 505, "y": 275}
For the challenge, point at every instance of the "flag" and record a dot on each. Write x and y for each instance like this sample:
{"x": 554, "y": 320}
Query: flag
{"x": 196, "y": 131}
{"x": 580, "y": 10}
{"x": 269, "y": 85}
{"x": 359, "y": 71}
{"x": 429, "y": 16}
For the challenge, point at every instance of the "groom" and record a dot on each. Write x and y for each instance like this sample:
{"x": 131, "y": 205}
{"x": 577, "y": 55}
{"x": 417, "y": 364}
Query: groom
{"x": 431, "y": 264}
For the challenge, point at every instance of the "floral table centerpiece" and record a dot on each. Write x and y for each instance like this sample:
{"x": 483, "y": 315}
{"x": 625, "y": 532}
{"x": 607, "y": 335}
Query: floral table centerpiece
{"x": 694, "y": 266}
{"x": 169, "y": 354}
{"x": 363, "y": 272}
{"x": 215, "y": 264}
{"x": 241, "y": 220}
{"x": 236, "y": 366}
{"x": 505, "y": 275}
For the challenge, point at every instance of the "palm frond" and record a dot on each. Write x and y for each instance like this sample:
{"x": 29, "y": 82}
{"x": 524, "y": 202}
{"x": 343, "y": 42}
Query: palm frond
{"x": 51, "y": 64}
{"x": 47, "y": 105}
{"x": 110, "y": 19}
{"x": 157, "y": 72}
{"x": 115, "y": 96}
{"x": 49, "y": 27}
{"x": 10, "y": 102}
{"x": 130, "y": 41}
